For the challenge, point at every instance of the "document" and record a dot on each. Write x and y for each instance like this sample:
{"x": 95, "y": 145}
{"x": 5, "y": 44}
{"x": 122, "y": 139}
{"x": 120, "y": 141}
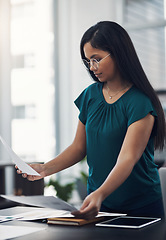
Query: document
{"x": 33, "y": 213}
{"x": 9, "y": 232}
{"x": 41, "y": 201}
{"x": 24, "y": 167}
{"x": 39, "y": 213}
{"x": 36, "y": 213}
{"x": 7, "y": 218}
{"x": 44, "y": 213}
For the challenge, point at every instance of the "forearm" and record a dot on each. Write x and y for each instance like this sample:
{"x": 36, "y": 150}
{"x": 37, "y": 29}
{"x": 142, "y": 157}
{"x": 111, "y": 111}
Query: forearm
{"x": 117, "y": 176}
{"x": 92, "y": 203}
{"x": 66, "y": 159}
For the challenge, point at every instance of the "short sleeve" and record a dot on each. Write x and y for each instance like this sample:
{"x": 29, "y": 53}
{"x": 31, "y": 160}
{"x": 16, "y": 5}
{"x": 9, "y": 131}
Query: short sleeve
{"x": 140, "y": 107}
{"x": 82, "y": 103}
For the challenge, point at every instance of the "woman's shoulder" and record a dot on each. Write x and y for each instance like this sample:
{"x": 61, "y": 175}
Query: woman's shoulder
{"x": 137, "y": 99}
{"x": 94, "y": 86}
{"x": 89, "y": 92}
{"x": 92, "y": 89}
{"x": 136, "y": 95}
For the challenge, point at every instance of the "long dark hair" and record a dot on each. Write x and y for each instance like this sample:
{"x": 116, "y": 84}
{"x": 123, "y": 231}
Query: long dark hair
{"x": 111, "y": 37}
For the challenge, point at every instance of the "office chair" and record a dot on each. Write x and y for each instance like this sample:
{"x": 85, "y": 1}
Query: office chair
{"x": 162, "y": 174}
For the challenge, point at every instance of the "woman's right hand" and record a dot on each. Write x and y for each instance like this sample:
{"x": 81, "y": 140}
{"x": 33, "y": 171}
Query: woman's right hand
{"x": 38, "y": 168}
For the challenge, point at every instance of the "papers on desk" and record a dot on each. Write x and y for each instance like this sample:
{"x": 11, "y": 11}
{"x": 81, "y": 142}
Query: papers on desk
{"x": 44, "y": 213}
{"x": 25, "y": 168}
{"x": 32, "y": 214}
{"x": 48, "y": 206}
{"x": 8, "y": 218}
{"x": 8, "y": 232}
{"x": 40, "y": 213}
{"x": 41, "y": 201}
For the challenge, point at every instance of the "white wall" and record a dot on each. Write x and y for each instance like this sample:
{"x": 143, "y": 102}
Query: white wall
{"x": 74, "y": 18}
{"x": 5, "y": 103}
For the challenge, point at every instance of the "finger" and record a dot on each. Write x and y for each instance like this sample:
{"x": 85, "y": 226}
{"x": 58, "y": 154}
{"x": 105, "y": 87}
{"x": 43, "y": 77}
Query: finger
{"x": 89, "y": 209}
{"x": 75, "y": 212}
{"x": 87, "y": 215}
{"x": 24, "y": 175}
{"x": 77, "y": 215}
{"x": 80, "y": 215}
{"x": 84, "y": 205}
{"x": 33, "y": 178}
{"x": 19, "y": 171}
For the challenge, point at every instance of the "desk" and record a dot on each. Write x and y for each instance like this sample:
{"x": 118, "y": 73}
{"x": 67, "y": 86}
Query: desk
{"x": 155, "y": 231}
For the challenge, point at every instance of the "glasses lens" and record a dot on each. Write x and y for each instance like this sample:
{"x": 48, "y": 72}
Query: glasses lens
{"x": 94, "y": 64}
{"x": 86, "y": 63}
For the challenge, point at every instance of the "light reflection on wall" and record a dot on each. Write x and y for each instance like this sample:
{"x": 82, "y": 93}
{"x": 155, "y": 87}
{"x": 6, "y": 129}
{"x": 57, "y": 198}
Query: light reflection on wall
{"x": 32, "y": 89}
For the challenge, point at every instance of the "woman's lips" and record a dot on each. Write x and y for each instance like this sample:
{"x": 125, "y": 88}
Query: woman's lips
{"x": 98, "y": 74}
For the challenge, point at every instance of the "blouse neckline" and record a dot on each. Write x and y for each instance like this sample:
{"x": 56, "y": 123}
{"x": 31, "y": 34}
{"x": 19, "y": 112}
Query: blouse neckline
{"x": 110, "y": 104}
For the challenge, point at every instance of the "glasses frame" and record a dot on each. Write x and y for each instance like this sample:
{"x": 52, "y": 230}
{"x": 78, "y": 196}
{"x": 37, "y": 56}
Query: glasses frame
{"x": 90, "y": 63}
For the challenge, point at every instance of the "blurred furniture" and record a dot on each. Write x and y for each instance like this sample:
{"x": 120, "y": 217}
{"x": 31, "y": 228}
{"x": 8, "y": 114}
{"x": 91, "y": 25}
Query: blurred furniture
{"x": 28, "y": 188}
{"x": 21, "y": 186}
{"x": 162, "y": 173}
{"x": 160, "y": 162}
{"x": 3, "y": 165}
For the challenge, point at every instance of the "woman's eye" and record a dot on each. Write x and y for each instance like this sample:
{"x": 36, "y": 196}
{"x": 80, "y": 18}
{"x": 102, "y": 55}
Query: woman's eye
{"x": 97, "y": 59}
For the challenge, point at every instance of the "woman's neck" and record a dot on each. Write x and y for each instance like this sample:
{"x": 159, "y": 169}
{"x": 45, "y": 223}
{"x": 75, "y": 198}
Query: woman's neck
{"x": 115, "y": 86}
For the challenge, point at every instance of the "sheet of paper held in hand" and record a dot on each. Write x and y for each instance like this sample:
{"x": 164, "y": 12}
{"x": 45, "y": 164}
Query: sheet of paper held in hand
{"x": 24, "y": 167}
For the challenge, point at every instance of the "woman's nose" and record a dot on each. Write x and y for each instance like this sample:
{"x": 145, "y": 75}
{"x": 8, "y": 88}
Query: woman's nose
{"x": 92, "y": 68}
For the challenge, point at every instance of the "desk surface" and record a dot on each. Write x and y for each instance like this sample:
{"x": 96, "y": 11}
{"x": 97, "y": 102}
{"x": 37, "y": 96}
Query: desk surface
{"x": 155, "y": 231}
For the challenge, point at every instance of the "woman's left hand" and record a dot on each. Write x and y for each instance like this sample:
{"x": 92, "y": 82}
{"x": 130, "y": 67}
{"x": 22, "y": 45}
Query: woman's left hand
{"x": 90, "y": 206}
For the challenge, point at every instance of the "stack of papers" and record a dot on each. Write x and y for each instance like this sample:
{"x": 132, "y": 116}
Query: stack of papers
{"x": 39, "y": 213}
{"x": 31, "y": 214}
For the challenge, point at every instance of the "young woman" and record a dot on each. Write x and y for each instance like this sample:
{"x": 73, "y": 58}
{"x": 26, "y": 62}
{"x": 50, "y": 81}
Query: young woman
{"x": 121, "y": 122}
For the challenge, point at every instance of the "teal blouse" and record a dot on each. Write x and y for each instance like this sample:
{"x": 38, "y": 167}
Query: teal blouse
{"x": 106, "y": 125}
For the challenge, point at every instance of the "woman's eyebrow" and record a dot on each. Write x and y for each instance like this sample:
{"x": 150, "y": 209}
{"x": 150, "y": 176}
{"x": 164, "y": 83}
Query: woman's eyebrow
{"x": 94, "y": 55}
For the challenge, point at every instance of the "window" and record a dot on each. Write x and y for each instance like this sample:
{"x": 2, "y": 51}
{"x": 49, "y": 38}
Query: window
{"x": 146, "y": 25}
{"x": 32, "y": 88}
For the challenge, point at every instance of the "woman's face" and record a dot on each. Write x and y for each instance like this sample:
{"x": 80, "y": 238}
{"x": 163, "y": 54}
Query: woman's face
{"x": 107, "y": 70}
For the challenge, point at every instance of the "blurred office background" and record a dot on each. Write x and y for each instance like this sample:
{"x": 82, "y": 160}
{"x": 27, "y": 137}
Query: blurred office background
{"x": 41, "y": 72}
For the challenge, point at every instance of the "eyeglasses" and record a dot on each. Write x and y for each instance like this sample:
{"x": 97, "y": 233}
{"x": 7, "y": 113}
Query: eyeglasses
{"x": 93, "y": 62}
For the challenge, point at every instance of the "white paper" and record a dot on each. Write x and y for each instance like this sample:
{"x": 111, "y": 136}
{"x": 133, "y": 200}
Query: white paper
{"x": 40, "y": 213}
{"x": 24, "y": 167}
{"x": 44, "y": 213}
{"x": 8, "y": 218}
{"x": 104, "y": 214}
{"x": 41, "y": 201}
{"x": 8, "y": 232}
{"x": 101, "y": 214}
